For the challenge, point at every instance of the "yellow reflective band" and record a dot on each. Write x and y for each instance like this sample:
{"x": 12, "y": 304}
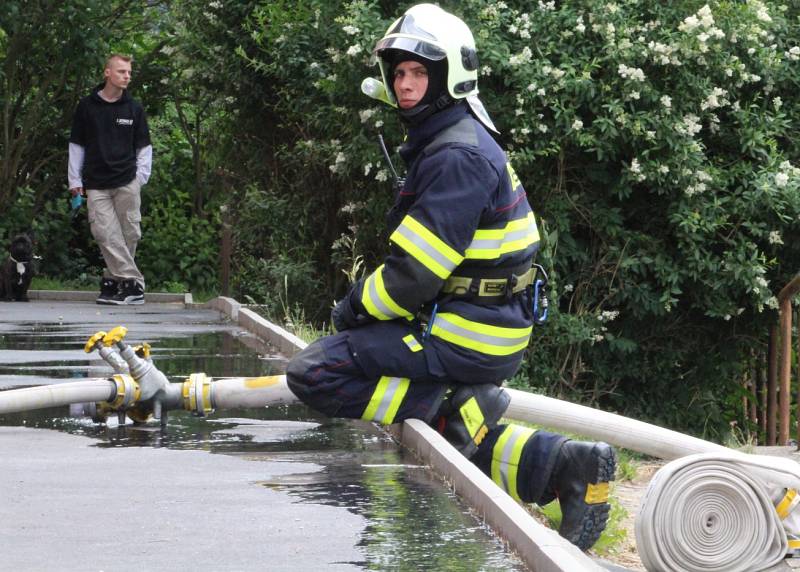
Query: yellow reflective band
{"x": 794, "y": 543}
{"x": 506, "y": 456}
{"x": 596, "y": 493}
{"x": 473, "y": 416}
{"x": 386, "y": 399}
{"x": 412, "y": 343}
{"x": 377, "y": 301}
{"x": 488, "y": 244}
{"x": 259, "y": 382}
{"x": 484, "y": 338}
{"x": 427, "y": 248}
{"x": 787, "y": 504}
{"x": 513, "y": 176}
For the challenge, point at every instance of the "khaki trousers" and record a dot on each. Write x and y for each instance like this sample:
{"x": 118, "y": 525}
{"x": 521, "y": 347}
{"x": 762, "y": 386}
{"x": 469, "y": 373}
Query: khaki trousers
{"x": 115, "y": 219}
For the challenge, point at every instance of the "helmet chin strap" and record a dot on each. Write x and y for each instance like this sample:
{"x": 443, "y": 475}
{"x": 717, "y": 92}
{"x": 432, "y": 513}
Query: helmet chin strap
{"x": 422, "y": 111}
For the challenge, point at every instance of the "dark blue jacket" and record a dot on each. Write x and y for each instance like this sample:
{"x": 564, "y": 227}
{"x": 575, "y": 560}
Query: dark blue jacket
{"x": 462, "y": 213}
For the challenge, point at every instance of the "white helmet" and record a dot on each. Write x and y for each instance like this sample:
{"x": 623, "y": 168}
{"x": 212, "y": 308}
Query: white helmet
{"x": 429, "y": 32}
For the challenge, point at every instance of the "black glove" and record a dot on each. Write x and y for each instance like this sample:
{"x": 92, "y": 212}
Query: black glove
{"x": 343, "y": 316}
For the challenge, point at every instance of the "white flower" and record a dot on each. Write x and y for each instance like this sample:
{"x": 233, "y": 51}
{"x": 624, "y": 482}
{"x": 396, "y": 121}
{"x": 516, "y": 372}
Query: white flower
{"x": 608, "y": 315}
{"x": 635, "y": 166}
{"x": 689, "y": 125}
{"x": 540, "y": 91}
{"x": 781, "y": 180}
{"x": 531, "y": 87}
{"x": 350, "y": 30}
{"x": 366, "y": 114}
{"x": 626, "y": 72}
{"x": 777, "y": 102}
{"x": 367, "y": 169}
{"x": 341, "y": 159}
{"x": 775, "y": 237}
{"x": 486, "y": 70}
{"x": 577, "y": 125}
{"x": 568, "y": 288}
{"x": 542, "y": 127}
{"x": 634, "y": 95}
{"x": 715, "y": 99}
{"x": 353, "y": 50}
{"x": 523, "y": 57}
{"x": 378, "y": 124}
{"x": 666, "y": 101}
{"x": 793, "y": 53}
{"x": 382, "y": 175}
{"x": 772, "y": 303}
{"x": 663, "y": 169}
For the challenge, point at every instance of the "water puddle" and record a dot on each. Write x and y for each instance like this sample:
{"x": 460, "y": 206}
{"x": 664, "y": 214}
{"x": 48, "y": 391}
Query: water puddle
{"x": 413, "y": 521}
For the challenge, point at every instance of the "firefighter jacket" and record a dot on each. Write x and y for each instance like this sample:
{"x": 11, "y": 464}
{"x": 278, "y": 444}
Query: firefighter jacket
{"x": 465, "y": 236}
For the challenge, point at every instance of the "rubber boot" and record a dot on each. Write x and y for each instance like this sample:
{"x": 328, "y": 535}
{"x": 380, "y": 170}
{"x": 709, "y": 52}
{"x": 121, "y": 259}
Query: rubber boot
{"x": 466, "y": 417}
{"x": 580, "y": 481}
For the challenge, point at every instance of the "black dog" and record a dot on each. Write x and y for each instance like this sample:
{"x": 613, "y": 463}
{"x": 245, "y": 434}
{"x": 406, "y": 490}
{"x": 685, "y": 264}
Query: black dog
{"x": 17, "y": 270}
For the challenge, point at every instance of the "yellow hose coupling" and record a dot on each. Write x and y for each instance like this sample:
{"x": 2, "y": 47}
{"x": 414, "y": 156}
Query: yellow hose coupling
{"x": 128, "y": 392}
{"x": 197, "y": 394}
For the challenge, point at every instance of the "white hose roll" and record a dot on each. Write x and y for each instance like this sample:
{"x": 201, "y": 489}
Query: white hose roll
{"x": 714, "y": 512}
{"x": 251, "y": 392}
{"x": 89, "y": 390}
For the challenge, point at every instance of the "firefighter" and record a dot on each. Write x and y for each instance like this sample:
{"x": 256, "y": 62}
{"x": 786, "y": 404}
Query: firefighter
{"x": 434, "y": 331}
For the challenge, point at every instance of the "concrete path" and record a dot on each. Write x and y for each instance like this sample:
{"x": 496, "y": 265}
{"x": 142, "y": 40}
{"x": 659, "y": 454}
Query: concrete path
{"x": 72, "y": 503}
{"x": 66, "y": 504}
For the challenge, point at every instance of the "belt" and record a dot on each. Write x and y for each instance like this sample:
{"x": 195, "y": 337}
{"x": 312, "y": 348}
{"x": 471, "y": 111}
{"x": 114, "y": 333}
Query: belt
{"x": 489, "y": 290}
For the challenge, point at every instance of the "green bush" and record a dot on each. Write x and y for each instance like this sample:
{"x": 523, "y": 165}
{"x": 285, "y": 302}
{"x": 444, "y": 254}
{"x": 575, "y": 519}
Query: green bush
{"x": 658, "y": 144}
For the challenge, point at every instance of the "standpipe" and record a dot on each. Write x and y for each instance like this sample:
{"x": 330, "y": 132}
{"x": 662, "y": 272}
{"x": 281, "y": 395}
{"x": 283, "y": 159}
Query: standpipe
{"x": 711, "y": 508}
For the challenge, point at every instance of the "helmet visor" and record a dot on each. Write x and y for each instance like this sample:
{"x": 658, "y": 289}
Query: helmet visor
{"x": 413, "y": 45}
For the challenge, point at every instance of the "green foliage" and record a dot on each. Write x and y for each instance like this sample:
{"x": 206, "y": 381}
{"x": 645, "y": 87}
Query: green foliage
{"x": 657, "y": 142}
{"x": 658, "y": 146}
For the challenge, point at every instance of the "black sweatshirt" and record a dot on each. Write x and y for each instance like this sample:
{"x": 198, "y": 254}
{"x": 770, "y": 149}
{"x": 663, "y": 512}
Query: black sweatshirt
{"x": 111, "y": 134}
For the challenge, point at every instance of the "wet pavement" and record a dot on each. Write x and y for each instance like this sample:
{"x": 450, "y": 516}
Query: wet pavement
{"x": 278, "y": 488}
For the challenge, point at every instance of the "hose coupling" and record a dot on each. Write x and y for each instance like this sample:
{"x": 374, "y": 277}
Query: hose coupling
{"x": 197, "y": 394}
{"x": 128, "y": 392}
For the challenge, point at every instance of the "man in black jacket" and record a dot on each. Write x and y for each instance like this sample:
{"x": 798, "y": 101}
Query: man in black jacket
{"x": 110, "y": 157}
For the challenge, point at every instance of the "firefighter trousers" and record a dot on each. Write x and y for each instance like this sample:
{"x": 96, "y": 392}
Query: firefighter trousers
{"x": 382, "y": 372}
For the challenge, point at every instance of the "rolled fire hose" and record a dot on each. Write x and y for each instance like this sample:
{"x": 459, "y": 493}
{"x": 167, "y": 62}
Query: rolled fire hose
{"x": 712, "y": 513}
{"x": 712, "y": 508}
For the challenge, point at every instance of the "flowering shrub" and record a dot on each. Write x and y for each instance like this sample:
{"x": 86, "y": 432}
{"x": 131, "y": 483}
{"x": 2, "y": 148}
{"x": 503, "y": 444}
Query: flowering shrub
{"x": 657, "y": 143}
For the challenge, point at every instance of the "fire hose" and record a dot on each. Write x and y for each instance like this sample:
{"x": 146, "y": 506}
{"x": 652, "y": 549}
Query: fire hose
{"x": 711, "y": 508}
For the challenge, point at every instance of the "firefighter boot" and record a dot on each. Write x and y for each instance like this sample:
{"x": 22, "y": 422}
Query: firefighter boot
{"x": 469, "y": 413}
{"x": 580, "y": 481}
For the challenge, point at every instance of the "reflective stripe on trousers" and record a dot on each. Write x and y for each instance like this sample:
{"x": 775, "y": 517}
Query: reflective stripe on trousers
{"x": 506, "y": 456}
{"x": 386, "y": 399}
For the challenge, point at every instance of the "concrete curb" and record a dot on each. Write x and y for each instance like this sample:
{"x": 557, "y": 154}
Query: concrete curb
{"x": 539, "y": 547}
{"x": 91, "y": 296}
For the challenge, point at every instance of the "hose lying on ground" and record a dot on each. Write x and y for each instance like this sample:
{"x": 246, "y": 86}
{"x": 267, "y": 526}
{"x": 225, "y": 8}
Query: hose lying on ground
{"x": 89, "y": 390}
